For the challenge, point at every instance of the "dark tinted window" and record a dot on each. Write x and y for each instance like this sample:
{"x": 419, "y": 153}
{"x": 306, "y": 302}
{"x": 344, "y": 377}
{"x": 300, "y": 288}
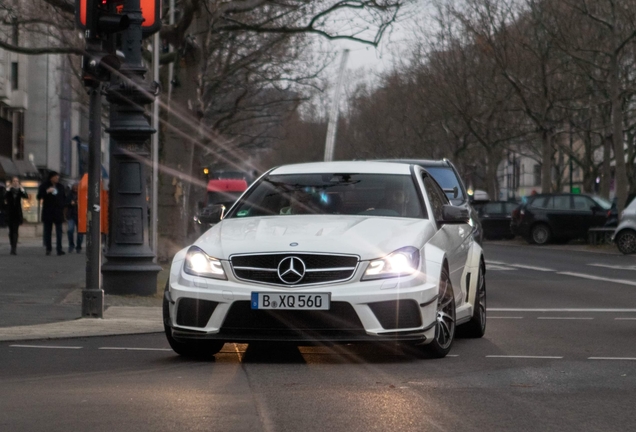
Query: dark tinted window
{"x": 561, "y": 202}
{"x": 491, "y": 208}
{"x": 582, "y": 203}
{"x": 539, "y": 202}
{"x": 509, "y": 207}
{"x": 436, "y": 197}
{"x": 351, "y": 194}
{"x": 447, "y": 179}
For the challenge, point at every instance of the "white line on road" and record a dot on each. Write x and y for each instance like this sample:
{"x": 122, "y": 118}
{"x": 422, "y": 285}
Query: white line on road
{"x": 625, "y": 319}
{"x": 616, "y": 267}
{"x": 561, "y": 310}
{"x": 598, "y": 278}
{"x": 46, "y": 346}
{"x": 524, "y": 356}
{"x": 492, "y": 267}
{"x": 612, "y": 358}
{"x": 134, "y": 349}
{"x": 564, "y": 318}
{"x": 527, "y": 267}
{"x": 452, "y": 355}
{"x": 495, "y": 262}
{"x": 503, "y": 317}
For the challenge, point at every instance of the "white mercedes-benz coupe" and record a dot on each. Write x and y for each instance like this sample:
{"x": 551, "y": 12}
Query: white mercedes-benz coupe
{"x": 331, "y": 252}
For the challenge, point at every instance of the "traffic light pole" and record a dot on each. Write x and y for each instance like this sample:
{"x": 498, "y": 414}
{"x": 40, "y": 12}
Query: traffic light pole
{"x": 93, "y": 295}
{"x": 129, "y": 268}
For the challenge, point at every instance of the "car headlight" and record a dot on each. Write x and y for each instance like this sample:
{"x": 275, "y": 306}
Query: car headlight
{"x": 198, "y": 263}
{"x": 402, "y": 262}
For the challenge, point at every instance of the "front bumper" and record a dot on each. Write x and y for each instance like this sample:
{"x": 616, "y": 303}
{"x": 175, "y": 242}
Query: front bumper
{"x": 393, "y": 310}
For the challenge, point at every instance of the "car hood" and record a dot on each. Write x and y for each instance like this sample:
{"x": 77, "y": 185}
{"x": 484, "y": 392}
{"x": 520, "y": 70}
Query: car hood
{"x": 368, "y": 237}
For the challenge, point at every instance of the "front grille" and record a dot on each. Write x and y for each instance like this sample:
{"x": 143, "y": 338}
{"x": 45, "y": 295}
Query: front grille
{"x": 341, "y": 319}
{"x": 395, "y": 314}
{"x": 318, "y": 268}
{"x": 194, "y": 312}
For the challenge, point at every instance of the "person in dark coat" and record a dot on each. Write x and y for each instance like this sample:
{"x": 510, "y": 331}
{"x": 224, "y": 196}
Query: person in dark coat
{"x": 72, "y": 219}
{"x": 13, "y": 205}
{"x": 53, "y": 199}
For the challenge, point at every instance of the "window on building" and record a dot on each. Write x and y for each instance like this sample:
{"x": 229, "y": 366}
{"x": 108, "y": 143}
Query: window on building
{"x": 537, "y": 175}
{"x": 14, "y": 76}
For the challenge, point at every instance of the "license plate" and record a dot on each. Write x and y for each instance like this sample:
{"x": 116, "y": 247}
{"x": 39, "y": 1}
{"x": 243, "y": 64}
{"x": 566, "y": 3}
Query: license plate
{"x": 290, "y": 301}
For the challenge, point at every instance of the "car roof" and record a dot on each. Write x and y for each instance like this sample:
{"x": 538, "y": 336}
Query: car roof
{"x": 352, "y": 167}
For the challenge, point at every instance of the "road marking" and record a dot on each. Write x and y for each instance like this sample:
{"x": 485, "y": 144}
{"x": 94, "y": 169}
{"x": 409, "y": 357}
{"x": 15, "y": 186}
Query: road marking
{"x": 564, "y": 318}
{"x": 46, "y": 346}
{"x": 616, "y": 267}
{"x": 495, "y": 262}
{"x": 527, "y": 267}
{"x": 625, "y": 319}
{"x": 598, "y": 278}
{"x": 524, "y": 356}
{"x": 612, "y": 358}
{"x": 134, "y": 349}
{"x": 560, "y": 310}
{"x": 499, "y": 268}
{"x": 452, "y": 355}
{"x": 504, "y": 317}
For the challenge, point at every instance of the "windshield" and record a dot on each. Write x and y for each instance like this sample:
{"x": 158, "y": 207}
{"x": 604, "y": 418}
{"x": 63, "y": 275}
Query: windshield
{"x": 332, "y": 193}
{"x": 447, "y": 179}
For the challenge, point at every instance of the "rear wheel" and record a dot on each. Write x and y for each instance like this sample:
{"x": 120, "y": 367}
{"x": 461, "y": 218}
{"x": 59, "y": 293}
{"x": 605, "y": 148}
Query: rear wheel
{"x": 445, "y": 325}
{"x": 194, "y": 348}
{"x": 626, "y": 241}
{"x": 540, "y": 234}
{"x": 476, "y": 327}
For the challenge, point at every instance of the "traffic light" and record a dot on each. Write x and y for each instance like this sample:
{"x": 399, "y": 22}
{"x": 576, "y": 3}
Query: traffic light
{"x": 98, "y": 65}
{"x": 108, "y": 11}
{"x": 206, "y": 171}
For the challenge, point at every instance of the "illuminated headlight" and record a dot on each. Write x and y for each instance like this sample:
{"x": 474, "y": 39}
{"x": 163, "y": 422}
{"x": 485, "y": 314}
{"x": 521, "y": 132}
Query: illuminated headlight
{"x": 402, "y": 262}
{"x": 198, "y": 263}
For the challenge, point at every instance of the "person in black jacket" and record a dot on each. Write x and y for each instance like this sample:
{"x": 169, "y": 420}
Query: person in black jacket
{"x": 72, "y": 219}
{"x": 53, "y": 199}
{"x": 13, "y": 204}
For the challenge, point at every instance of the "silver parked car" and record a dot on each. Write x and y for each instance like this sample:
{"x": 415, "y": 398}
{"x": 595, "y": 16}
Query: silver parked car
{"x": 625, "y": 234}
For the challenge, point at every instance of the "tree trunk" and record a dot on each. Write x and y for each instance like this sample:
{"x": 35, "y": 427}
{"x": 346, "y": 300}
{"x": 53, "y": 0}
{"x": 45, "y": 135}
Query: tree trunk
{"x": 492, "y": 183}
{"x": 546, "y": 162}
{"x": 606, "y": 173}
{"x": 620, "y": 176}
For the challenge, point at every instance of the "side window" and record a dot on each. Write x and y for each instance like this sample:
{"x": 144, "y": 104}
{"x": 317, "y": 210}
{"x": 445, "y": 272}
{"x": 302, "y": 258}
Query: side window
{"x": 581, "y": 203}
{"x": 562, "y": 202}
{"x": 436, "y": 196}
{"x": 539, "y": 202}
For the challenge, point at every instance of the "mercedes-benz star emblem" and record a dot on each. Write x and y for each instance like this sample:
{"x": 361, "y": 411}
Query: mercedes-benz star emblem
{"x": 291, "y": 270}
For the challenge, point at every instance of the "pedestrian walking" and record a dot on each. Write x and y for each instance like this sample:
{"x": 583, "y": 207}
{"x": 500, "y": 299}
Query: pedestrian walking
{"x": 72, "y": 221}
{"x": 53, "y": 199}
{"x": 13, "y": 204}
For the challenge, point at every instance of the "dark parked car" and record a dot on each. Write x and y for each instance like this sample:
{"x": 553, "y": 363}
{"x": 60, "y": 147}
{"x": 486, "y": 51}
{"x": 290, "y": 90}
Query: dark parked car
{"x": 222, "y": 193}
{"x": 560, "y": 217}
{"x": 495, "y": 219}
{"x": 446, "y": 175}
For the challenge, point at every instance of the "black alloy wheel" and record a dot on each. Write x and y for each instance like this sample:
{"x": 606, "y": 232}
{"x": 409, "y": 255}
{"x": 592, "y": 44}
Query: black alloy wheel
{"x": 540, "y": 234}
{"x": 195, "y": 349}
{"x": 626, "y": 241}
{"x": 445, "y": 323}
{"x": 476, "y": 327}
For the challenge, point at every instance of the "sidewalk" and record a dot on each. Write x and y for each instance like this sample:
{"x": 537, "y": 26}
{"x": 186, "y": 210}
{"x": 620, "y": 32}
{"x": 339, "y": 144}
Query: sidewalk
{"x": 40, "y": 297}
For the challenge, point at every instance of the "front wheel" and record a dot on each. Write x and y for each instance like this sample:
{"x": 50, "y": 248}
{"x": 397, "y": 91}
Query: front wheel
{"x": 197, "y": 349}
{"x": 626, "y": 241}
{"x": 445, "y": 325}
{"x": 540, "y": 234}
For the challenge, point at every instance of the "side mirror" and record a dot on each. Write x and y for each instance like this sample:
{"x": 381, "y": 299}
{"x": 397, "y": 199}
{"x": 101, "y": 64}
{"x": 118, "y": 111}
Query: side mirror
{"x": 454, "y": 191}
{"x": 454, "y": 214}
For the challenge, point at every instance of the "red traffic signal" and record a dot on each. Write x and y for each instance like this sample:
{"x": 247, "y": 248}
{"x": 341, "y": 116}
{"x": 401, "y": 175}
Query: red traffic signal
{"x": 150, "y": 10}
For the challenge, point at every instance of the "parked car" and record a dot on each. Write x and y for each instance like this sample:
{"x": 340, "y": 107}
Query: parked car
{"x": 625, "y": 234}
{"x": 612, "y": 214}
{"x": 331, "y": 252}
{"x": 560, "y": 217}
{"x": 222, "y": 193}
{"x": 495, "y": 217}
{"x": 446, "y": 175}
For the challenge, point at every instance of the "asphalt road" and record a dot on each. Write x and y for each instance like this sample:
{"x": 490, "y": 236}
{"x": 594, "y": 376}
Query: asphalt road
{"x": 559, "y": 354}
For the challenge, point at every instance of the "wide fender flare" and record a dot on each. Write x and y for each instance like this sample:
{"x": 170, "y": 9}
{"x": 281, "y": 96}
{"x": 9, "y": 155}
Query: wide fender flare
{"x": 434, "y": 259}
{"x": 473, "y": 264}
{"x": 177, "y": 264}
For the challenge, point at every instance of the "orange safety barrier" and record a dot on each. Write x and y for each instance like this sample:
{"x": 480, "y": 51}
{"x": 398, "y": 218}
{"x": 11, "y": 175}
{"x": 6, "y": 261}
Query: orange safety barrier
{"x": 82, "y": 206}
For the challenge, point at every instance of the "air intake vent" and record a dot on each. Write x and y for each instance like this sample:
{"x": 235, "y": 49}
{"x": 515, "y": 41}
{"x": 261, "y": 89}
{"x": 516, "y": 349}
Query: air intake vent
{"x": 194, "y": 312}
{"x": 396, "y": 314}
